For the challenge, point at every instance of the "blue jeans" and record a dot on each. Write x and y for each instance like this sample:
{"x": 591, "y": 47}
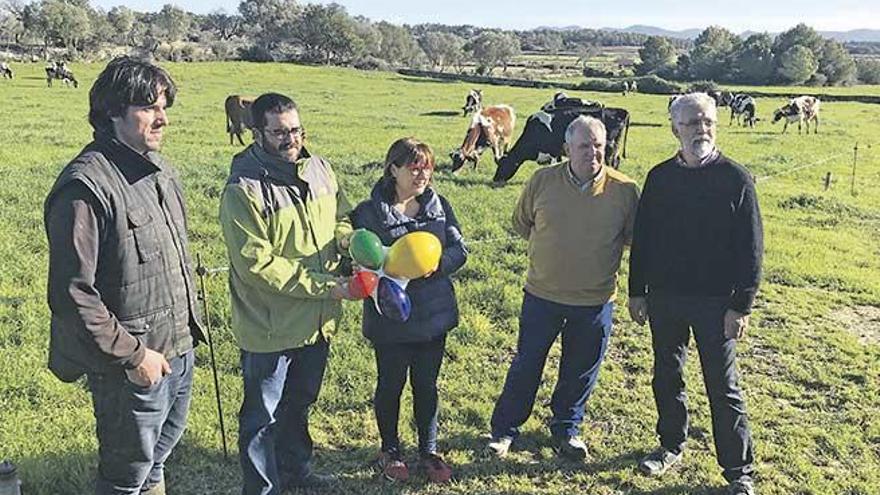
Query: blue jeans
{"x": 279, "y": 389}
{"x": 585, "y": 334}
{"x": 138, "y": 426}
{"x": 422, "y": 360}
{"x": 672, "y": 319}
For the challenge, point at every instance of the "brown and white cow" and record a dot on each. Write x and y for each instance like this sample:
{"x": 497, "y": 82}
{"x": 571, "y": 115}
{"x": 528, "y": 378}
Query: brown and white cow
{"x": 801, "y": 109}
{"x": 492, "y": 128}
{"x": 238, "y": 116}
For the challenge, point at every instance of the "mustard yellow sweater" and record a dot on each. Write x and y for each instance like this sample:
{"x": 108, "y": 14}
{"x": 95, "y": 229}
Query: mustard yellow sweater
{"x": 576, "y": 235}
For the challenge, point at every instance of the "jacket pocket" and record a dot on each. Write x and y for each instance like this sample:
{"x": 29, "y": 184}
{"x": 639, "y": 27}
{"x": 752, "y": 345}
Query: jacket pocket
{"x": 140, "y": 221}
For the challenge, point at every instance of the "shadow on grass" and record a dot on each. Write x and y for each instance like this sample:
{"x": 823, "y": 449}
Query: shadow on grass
{"x": 196, "y": 470}
{"x": 441, "y": 113}
{"x": 426, "y": 80}
{"x": 189, "y": 470}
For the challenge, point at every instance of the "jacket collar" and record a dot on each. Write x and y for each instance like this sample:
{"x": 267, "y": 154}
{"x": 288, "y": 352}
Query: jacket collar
{"x": 132, "y": 164}
{"x": 382, "y": 198}
{"x": 277, "y": 168}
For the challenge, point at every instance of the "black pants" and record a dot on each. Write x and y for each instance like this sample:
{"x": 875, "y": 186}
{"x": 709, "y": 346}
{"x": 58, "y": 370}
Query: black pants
{"x": 672, "y": 318}
{"x": 422, "y": 360}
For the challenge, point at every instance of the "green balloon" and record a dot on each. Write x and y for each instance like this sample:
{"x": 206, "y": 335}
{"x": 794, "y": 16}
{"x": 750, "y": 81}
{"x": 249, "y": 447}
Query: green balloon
{"x": 365, "y": 248}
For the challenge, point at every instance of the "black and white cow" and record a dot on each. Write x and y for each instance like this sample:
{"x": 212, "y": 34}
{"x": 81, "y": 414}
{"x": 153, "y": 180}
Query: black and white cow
{"x": 5, "y": 70}
{"x": 60, "y": 71}
{"x": 801, "y": 109}
{"x": 742, "y": 107}
{"x": 473, "y": 102}
{"x": 544, "y": 134}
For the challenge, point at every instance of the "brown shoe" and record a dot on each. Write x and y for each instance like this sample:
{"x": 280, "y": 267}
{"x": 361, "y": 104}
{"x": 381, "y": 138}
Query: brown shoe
{"x": 435, "y": 468}
{"x": 391, "y": 466}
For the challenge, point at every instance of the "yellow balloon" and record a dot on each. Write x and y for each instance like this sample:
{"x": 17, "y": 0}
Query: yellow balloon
{"x": 413, "y": 256}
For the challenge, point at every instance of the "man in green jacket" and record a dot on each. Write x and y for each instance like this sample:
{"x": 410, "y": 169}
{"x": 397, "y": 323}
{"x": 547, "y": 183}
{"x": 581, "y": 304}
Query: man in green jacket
{"x": 285, "y": 223}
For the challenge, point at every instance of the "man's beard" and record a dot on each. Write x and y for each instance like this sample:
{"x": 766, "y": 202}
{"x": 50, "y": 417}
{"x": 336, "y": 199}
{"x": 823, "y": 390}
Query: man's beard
{"x": 702, "y": 148}
{"x": 283, "y": 150}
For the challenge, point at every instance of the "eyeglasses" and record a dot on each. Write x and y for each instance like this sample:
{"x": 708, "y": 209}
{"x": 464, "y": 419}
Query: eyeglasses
{"x": 283, "y": 133}
{"x": 698, "y": 123}
{"x": 416, "y": 169}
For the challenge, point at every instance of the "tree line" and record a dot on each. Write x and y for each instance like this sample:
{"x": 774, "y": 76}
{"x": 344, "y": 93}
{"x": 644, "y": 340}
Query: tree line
{"x": 273, "y": 30}
{"x": 799, "y": 55}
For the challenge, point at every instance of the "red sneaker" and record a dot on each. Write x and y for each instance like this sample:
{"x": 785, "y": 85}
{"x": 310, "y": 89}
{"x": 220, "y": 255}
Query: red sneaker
{"x": 435, "y": 468}
{"x": 392, "y": 466}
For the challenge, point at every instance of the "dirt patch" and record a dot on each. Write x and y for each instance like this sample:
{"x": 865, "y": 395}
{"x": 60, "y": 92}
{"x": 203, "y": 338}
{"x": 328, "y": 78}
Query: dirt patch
{"x": 861, "y": 321}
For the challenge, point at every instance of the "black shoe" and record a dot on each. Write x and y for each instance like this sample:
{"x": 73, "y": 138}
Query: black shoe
{"x": 743, "y": 486}
{"x": 571, "y": 448}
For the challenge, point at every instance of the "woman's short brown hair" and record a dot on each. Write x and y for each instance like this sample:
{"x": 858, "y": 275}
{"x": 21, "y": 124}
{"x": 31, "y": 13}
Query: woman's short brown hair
{"x": 405, "y": 151}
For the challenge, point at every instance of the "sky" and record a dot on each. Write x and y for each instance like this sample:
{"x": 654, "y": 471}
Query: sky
{"x": 736, "y": 15}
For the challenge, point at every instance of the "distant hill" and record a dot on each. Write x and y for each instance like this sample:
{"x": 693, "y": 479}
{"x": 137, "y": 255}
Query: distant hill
{"x": 852, "y": 35}
{"x": 687, "y": 34}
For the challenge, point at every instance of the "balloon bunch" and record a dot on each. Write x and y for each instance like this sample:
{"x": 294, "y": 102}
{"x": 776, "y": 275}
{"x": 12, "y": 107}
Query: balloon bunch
{"x": 385, "y": 272}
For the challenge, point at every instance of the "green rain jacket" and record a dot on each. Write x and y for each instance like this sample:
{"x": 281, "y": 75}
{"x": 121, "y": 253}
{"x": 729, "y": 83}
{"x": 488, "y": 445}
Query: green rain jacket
{"x": 281, "y": 223}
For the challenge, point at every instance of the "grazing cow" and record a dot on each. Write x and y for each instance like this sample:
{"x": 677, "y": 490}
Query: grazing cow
{"x": 5, "y": 70}
{"x": 743, "y": 105}
{"x": 238, "y": 116}
{"x": 474, "y": 102}
{"x": 544, "y": 133}
{"x": 60, "y": 71}
{"x": 492, "y": 128}
{"x": 801, "y": 109}
{"x": 630, "y": 87}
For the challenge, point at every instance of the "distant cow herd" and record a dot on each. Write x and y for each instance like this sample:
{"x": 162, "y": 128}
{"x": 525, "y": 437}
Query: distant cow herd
{"x": 542, "y": 137}
{"x": 491, "y": 127}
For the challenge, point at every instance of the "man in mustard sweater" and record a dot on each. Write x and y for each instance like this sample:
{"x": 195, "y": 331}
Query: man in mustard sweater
{"x": 285, "y": 223}
{"x": 577, "y": 217}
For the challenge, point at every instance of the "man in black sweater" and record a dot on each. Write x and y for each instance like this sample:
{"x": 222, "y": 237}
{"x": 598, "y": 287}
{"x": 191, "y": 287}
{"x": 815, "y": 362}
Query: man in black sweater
{"x": 695, "y": 263}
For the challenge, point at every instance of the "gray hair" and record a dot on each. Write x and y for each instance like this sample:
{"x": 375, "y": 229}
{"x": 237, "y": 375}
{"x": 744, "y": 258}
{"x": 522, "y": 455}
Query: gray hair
{"x": 690, "y": 100}
{"x": 585, "y": 121}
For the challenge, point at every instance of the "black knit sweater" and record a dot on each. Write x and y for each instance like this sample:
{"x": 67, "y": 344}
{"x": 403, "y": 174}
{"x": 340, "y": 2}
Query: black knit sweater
{"x": 698, "y": 232}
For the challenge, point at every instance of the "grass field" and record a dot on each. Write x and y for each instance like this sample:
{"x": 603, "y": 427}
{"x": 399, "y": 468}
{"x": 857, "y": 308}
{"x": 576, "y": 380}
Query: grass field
{"x": 810, "y": 366}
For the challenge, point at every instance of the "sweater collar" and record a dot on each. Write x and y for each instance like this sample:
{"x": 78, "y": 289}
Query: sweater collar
{"x": 709, "y": 159}
{"x": 593, "y": 186}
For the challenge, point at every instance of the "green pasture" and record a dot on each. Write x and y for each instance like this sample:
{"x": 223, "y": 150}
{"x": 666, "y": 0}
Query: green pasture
{"x": 810, "y": 366}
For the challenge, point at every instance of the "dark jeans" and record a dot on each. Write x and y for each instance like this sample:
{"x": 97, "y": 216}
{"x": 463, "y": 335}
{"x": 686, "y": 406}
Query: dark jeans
{"x": 423, "y": 361}
{"x": 585, "y": 334}
{"x": 274, "y": 442}
{"x": 671, "y": 319}
{"x": 138, "y": 426}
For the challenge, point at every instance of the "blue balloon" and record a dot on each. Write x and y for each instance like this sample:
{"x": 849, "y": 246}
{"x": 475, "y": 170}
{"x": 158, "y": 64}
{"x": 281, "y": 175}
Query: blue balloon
{"x": 393, "y": 301}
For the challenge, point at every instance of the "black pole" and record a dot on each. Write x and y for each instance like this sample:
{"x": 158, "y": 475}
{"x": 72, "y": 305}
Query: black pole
{"x": 202, "y": 272}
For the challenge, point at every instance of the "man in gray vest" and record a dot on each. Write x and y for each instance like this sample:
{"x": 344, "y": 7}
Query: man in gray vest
{"x": 120, "y": 279}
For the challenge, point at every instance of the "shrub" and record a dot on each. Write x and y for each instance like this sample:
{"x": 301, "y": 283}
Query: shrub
{"x": 703, "y": 87}
{"x": 370, "y": 62}
{"x": 255, "y": 53}
{"x": 606, "y": 85}
{"x": 658, "y": 85}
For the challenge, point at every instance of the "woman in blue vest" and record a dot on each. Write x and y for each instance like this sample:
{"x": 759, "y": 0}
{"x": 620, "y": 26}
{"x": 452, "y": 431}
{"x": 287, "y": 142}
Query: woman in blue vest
{"x": 403, "y": 201}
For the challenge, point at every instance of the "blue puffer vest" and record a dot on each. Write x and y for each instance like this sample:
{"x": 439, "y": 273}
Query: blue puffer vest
{"x": 434, "y": 308}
